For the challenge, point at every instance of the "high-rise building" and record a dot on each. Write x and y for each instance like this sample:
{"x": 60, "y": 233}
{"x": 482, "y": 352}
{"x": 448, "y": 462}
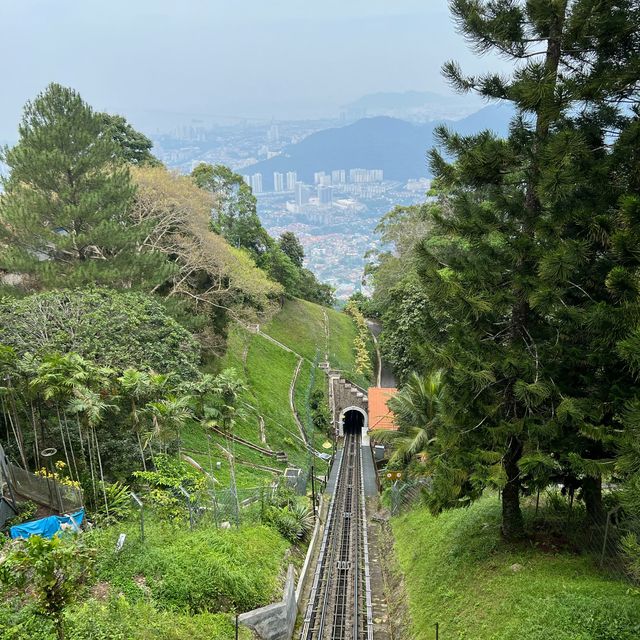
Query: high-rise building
{"x": 292, "y": 178}
{"x": 366, "y": 175}
{"x": 256, "y": 183}
{"x": 273, "y": 135}
{"x": 278, "y": 181}
{"x": 303, "y": 193}
{"x": 247, "y": 179}
{"x": 319, "y": 177}
{"x": 338, "y": 176}
{"x": 325, "y": 195}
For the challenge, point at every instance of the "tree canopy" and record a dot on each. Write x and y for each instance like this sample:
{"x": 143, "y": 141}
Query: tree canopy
{"x": 522, "y": 289}
{"x": 64, "y": 213}
{"x": 210, "y": 273}
{"x": 111, "y": 328}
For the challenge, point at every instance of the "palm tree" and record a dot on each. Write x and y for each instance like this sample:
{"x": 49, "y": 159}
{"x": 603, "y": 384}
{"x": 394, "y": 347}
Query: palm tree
{"x": 56, "y": 377}
{"x": 89, "y": 402}
{"x": 417, "y": 408}
{"x": 226, "y": 387}
{"x": 169, "y": 416}
{"x": 137, "y": 387}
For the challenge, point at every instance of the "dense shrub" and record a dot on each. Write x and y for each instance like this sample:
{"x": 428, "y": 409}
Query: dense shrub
{"x": 293, "y": 521}
{"x": 93, "y": 322}
{"x": 121, "y": 620}
{"x": 117, "y": 619}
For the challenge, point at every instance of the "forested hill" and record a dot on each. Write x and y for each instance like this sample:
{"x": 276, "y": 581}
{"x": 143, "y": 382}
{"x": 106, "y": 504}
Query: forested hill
{"x": 396, "y": 146}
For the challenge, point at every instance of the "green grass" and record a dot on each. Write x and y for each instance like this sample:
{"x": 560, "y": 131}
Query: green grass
{"x": 267, "y": 375}
{"x": 300, "y": 326}
{"x": 177, "y": 585}
{"x": 118, "y": 619}
{"x": 207, "y": 569}
{"x": 342, "y": 332}
{"x": 267, "y": 371}
{"x": 121, "y": 620}
{"x": 300, "y": 400}
{"x": 460, "y": 574}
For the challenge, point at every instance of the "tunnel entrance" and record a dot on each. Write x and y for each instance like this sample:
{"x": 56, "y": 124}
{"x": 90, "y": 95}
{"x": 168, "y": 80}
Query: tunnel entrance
{"x": 353, "y": 421}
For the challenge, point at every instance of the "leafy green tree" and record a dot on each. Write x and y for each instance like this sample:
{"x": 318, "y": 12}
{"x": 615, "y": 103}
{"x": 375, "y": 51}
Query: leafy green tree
{"x": 234, "y": 213}
{"x": 309, "y": 288}
{"x": 291, "y": 246}
{"x": 213, "y": 279}
{"x": 280, "y": 268}
{"x": 92, "y": 323}
{"x": 134, "y": 147}
{"x": 50, "y": 572}
{"x": 64, "y": 212}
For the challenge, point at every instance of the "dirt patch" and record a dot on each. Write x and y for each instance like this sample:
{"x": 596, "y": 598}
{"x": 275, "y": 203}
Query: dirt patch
{"x": 100, "y": 591}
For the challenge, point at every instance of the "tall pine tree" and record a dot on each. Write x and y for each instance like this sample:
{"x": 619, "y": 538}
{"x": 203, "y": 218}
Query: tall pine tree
{"x": 64, "y": 213}
{"x": 507, "y": 259}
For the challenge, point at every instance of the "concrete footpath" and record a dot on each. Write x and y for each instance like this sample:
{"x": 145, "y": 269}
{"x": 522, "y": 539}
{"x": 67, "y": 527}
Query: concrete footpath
{"x": 333, "y": 475}
{"x": 369, "y": 473}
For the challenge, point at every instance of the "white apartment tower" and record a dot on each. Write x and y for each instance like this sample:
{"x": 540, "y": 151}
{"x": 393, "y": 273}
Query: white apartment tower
{"x": 256, "y": 183}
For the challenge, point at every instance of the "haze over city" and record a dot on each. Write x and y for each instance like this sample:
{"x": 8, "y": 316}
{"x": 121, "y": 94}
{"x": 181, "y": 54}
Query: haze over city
{"x": 160, "y": 63}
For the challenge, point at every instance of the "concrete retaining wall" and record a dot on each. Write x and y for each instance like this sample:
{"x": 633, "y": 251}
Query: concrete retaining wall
{"x": 308, "y": 561}
{"x": 275, "y": 621}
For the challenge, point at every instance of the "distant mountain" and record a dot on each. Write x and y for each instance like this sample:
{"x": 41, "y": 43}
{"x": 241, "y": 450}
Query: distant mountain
{"x": 415, "y": 106}
{"x": 396, "y": 146}
{"x": 404, "y": 100}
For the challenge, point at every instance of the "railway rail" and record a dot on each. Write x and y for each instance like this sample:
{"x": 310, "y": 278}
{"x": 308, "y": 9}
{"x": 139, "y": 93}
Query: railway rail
{"x": 339, "y": 605}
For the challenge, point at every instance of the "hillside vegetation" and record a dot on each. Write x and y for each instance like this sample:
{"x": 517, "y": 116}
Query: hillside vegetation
{"x": 459, "y": 572}
{"x": 267, "y": 370}
{"x": 123, "y": 382}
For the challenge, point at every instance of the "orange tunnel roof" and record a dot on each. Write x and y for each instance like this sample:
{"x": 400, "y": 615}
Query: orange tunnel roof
{"x": 380, "y": 416}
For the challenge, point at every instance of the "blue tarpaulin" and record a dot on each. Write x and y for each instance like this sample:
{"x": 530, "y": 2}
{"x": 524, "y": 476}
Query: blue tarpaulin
{"x": 48, "y": 527}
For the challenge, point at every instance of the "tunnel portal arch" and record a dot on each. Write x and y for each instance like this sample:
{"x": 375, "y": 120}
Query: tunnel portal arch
{"x": 354, "y": 418}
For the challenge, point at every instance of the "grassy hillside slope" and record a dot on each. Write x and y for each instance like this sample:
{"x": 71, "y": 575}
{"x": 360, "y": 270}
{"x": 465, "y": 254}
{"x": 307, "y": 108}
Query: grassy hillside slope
{"x": 267, "y": 371}
{"x": 460, "y": 574}
{"x": 306, "y": 328}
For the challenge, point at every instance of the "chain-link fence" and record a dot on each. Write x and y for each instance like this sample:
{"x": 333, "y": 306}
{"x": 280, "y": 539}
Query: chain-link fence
{"x": 44, "y": 489}
{"x": 557, "y": 520}
{"x": 404, "y": 494}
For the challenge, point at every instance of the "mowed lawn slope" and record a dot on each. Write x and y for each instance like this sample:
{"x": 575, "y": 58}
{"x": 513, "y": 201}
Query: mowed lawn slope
{"x": 300, "y": 325}
{"x": 267, "y": 371}
{"x": 459, "y": 573}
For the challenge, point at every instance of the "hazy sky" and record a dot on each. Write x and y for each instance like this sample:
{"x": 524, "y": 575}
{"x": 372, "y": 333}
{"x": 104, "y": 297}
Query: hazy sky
{"x": 149, "y": 59}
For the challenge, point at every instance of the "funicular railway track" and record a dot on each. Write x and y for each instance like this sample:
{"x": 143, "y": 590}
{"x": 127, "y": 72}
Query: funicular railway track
{"x": 340, "y": 601}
